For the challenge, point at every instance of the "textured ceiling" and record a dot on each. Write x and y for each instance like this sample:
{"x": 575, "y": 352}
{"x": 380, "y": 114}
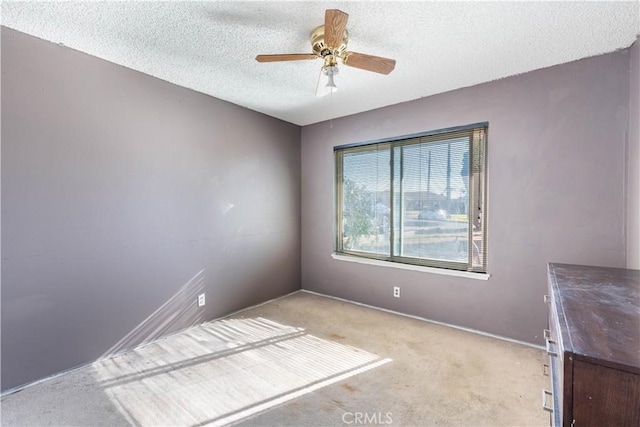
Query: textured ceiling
{"x": 439, "y": 46}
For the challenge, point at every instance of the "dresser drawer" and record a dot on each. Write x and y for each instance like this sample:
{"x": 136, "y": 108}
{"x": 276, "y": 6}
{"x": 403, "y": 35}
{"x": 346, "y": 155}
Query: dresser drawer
{"x": 552, "y": 402}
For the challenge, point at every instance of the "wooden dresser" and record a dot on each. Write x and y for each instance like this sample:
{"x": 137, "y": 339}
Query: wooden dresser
{"x": 593, "y": 342}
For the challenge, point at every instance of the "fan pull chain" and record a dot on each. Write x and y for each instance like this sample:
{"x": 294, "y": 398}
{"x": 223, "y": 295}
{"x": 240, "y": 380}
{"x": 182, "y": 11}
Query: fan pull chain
{"x": 331, "y": 109}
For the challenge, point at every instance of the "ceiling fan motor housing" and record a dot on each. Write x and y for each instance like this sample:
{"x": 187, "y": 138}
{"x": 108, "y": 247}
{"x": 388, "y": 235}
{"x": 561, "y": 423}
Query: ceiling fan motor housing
{"x": 321, "y": 49}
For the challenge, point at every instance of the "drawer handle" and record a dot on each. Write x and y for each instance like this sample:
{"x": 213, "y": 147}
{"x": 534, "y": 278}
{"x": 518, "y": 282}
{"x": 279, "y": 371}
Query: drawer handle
{"x": 548, "y": 344}
{"x": 547, "y": 334}
{"x": 546, "y": 393}
{"x": 545, "y": 370}
{"x": 547, "y": 299}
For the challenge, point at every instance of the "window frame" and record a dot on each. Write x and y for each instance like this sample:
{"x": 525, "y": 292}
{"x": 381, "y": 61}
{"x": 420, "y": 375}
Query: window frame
{"x": 476, "y": 181}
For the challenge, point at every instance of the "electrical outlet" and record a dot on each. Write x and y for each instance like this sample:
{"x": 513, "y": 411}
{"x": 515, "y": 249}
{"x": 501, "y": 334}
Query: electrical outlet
{"x": 201, "y": 300}
{"x": 396, "y": 291}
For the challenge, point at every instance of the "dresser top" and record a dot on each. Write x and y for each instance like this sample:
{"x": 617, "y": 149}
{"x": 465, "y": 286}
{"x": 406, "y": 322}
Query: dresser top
{"x": 599, "y": 312}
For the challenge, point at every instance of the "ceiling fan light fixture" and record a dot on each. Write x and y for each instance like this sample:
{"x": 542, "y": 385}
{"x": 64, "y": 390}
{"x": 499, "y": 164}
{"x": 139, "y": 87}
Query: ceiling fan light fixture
{"x": 326, "y": 82}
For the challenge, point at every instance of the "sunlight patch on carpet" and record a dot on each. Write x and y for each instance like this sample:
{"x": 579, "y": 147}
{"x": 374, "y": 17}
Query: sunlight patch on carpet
{"x": 221, "y": 372}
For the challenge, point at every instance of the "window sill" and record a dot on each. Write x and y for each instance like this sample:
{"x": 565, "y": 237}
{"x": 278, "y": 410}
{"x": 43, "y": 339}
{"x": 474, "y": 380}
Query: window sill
{"x": 443, "y": 271}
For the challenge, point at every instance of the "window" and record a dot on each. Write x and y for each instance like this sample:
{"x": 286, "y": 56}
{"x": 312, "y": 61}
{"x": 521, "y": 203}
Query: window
{"x": 415, "y": 200}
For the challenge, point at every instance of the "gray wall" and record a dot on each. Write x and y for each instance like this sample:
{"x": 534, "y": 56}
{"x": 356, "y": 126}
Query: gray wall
{"x": 122, "y": 192}
{"x": 556, "y": 151}
{"x": 633, "y": 162}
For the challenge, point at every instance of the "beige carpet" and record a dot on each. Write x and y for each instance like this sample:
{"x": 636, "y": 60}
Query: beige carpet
{"x": 300, "y": 360}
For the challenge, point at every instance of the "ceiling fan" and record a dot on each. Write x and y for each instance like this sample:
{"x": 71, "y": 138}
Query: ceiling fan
{"x": 329, "y": 42}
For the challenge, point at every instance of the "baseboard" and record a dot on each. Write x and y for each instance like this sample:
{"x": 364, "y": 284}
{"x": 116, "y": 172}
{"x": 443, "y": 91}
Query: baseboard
{"x": 42, "y": 380}
{"x": 474, "y": 331}
{"x": 256, "y": 305}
